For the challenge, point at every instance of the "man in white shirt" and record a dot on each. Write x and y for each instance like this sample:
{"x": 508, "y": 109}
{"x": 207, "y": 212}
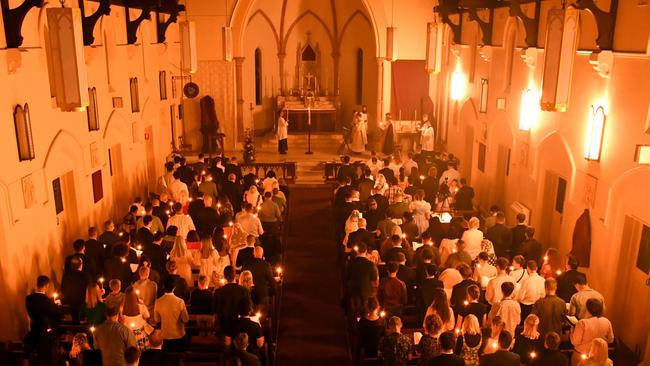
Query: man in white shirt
{"x": 249, "y": 221}
{"x": 183, "y": 222}
{"x": 517, "y": 270}
{"x": 493, "y": 292}
{"x": 409, "y": 164}
{"x": 449, "y": 175}
{"x": 593, "y": 326}
{"x": 171, "y": 311}
{"x": 178, "y": 190}
{"x": 531, "y": 290}
{"x": 508, "y": 308}
{"x": 578, "y": 301}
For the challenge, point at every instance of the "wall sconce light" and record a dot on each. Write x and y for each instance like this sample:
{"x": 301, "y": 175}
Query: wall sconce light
{"x": 529, "y": 112}
{"x": 390, "y": 43}
{"x": 457, "y": 85}
{"x": 595, "y": 131}
{"x": 642, "y": 154}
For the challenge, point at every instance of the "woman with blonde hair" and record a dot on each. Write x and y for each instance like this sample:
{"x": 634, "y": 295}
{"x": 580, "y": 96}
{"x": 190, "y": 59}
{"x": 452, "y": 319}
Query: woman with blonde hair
{"x": 81, "y": 353}
{"x": 246, "y": 281}
{"x": 134, "y": 317}
{"x": 210, "y": 262}
{"x": 529, "y": 342}
{"x": 94, "y": 309}
{"x": 351, "y": 224}
{"x": 380, "y": 185}
{"x": 598, "y": 354}
{"x": 473, "y": 238}
{"x": 469, "y": 340}
{"x": 183, "y": 259}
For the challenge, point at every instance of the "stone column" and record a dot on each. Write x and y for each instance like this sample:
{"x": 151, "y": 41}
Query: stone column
{"x": 239, "y": 97}
{"x": 380, "y": 89}
{"x": 283, "y": 81}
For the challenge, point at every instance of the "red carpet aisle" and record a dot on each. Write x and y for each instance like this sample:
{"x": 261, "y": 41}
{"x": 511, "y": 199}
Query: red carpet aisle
{"x": 312, "y": 324}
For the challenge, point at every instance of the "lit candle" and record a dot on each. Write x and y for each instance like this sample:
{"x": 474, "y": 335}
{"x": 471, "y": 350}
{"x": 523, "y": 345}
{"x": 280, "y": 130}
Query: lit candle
{"x": 223, "y": 281}
{"x": 132, "y": 325}
{"x": 533, "y": 354}
{"x": 356, "y": 248}
{"x": 55, "y": 295}
{"x": 545, "y": 258}
{"x": 137, "y": 292}
{"x": 421, "y": 178}
{"x": 190, "y": 199}
{"x": 171, "y": 203}
{"x": 139, "y": 247}
{"x": 583, "y": 356}
{"x": 453, "y": 250}
{"x": 278, "y": 269}
{"x": 259, "y": 207}
{"x": 466, "y": 302}
{"x": 558, "y": 272}
{"x": 143, "y": 212}
{"x": 225, "y": 236}
{"x": 123, "y": 260}
{"x": 167, "y": 212}
{"x": 101, "y": 279}
{"x": 230, "y": 223}
{"x": 203, "y": 172}
{"x": 457, "y": 331}
{"x": 218, "y": 205}
{"x": 403, "y": 236}
{"x": 92, "y": 329}
{"x": 495, "y": 344}
{"x": 120, "y": 233}
{"x": 382, "y": 313}
{"x": 257, "y": 181}
{"x": 512, "y": 268}
{"x": 478, "y": 265}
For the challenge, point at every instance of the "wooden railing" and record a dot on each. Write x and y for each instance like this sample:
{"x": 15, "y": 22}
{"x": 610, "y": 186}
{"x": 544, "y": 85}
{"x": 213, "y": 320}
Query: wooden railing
{"x": 286, "y": 170}
{"x": 331, "y": 170}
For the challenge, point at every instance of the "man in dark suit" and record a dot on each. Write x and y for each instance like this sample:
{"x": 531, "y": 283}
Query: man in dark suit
{"x": 566, "y": 281}
{"x": 228, "y": 300}
{"x": 406, "y": 275}
{"x": 156, "y": 253}
{"x": 79, "y": 247}
{"x": 392, "y": 254}
{"x": 427, "y": 288}
{"x": 246, "y": 358}
{"x": 362, "y": 235}
{"x": 108, "y": 237}
{"x": 501, "y": 237}
{"x": 464, "y": 197}
{"x": 387, "y": 172}
{"x": 262, "y": 276}
{"x": 73, "y": 286}
{"x": 365, "y": 185}
{"x": 196, "y": 205}
{"x": 186, "y": 173}
{"x": 158, "y": 210}
{"x": 531, "y": 249}
{"x": 344, "y": 188}
{"x": 246, "y": 254}
{"x": 232, "y": 167}
{"x": 233, "y": 191}
{"x": 502, "y": 357}
{"x": 144, "y": 235}
{"x": 551, "y": 356}
{"x": 94, "y": 252}
{"x": 346, "y": 170}
{"x": 459, "y": 291}
{"x": 447, "y": 357}
{"x": 207, "y": 217}
{"x": 44, "y": 315}
{"x": 518, "y": 233}
{"x": 361, "y": 278}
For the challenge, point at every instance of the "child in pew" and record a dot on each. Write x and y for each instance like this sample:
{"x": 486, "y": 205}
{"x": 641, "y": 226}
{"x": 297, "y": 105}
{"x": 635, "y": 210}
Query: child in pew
{"x": 201, "y": 304}
{"x": 116, "y": 297}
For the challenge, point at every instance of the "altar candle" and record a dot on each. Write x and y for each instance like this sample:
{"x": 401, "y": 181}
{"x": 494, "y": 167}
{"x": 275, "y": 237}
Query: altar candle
{"x": 399, "y": 117}
{"x": 309, "y": 115}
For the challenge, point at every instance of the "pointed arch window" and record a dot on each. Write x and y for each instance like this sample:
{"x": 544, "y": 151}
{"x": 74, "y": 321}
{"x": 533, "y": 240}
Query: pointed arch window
{"x": 135, "y": 97}
{"x": 91, "y": 110}
{"x": 359, "y": 81}
{"x": 258, "y": 76}
{"x": 24, "y": 138}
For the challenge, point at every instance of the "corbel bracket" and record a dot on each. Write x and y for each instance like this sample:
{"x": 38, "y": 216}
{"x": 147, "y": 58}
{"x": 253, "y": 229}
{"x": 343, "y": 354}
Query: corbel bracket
{"x": 161, "y": 26}
{"x": 473, "y": 6}
{"x": 133, "y": 25}
{"x": 605, "y": 21}
{"x": 13, "y": 20}
{"x": 447, "y": 8}
{"x": 88, "y": 22}
{"x": 530, "y": 24}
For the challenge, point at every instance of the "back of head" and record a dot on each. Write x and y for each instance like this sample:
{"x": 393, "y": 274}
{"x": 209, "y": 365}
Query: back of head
{"x": 531, "y": 265}
{"x": 580, "y": 279}
{"x": 112, "y": 311}
{"x": 169, "y": 284}
{"x": 464, "y": 270}
{"x": 550, "y": 284}
{"x": 505, "y": 339}
{"x": 394, "y": 323}
{"x": 502, "y": 263}
{"x": 507, "y": 288}
{"x": 519, "y": 259}
{"x": 42, "y": 281}
{"x": 552, "y": 341}
{"x": 595, "y": 307}
{"x": 530, "y": 232}
{"x": 521, "y": 218}
{"x": 432, "y": 270}
{"x": 572, "y": 261}
{"x": 599, "y": 351}
{"x": 241, "y": 341}
{"x": 78, "y": 245}
{"x": 432, "y": 324}
{"x": 229, "y": 273}
{"x": 392, "y": 267}
{"x": 447, "y": 341}
{"x": 131, "y": 356}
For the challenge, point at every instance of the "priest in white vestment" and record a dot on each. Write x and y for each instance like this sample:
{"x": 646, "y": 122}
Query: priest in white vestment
{"x": 283, "y": 132}
{"x": 427, "y": 136}
{"x": 358, "y": 144}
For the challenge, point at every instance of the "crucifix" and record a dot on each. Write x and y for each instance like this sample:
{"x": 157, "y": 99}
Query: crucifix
{"x": 309, "y": 78}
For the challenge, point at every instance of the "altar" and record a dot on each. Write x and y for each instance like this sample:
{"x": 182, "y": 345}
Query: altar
{"x": 322, "y": 114}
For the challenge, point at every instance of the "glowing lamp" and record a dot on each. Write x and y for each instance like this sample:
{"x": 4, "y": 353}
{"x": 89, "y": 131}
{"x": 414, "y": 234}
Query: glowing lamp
{"x": 457, "y": 85}
{"x": 529, "y": 111}
{"x": 595, "y": 131}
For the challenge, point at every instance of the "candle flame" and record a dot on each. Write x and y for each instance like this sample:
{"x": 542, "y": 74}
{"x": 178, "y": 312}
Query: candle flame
{"x": 533, "y": 354}
{"x": 382, "y": 313}
{"x": 278, "y": 269}
{"x": 101, "y": 279}
{"x": 466, "y": 302}
{"x": 55, "y": 295}
{"x": 92, "y": 329}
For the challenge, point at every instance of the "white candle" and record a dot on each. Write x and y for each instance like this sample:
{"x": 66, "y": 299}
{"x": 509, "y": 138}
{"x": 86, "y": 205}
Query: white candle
{"x": 309, "y": 116}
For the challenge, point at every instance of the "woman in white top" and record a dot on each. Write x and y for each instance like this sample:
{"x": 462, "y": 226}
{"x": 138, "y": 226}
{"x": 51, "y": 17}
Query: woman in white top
{"x": 211, "y": 264}
{"x": 473, "y": 238}
{"x": 421, "y": 211}
{"x": 134, "y": 317}
{"x": 183, "y": 259}
{"x": 252, "y": 196}
{"x": 269, "y": 182}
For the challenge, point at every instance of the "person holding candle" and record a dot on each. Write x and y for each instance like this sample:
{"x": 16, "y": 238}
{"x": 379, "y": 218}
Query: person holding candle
{"x": 502, "y": 357}
{"x": 598, "y": 354}
{"x": 112, "y": 338}
{"x": 282, "y": 133}
{"x": 491, "y": 344}
{"x": 371, "y": 327}
{"x": 550, "y": 355}
{"x": 594, "y": 325}
{"x": 134, "y": 316}
{"x": 44, "y": 315}
{"x": 528, "y": 344}
{"x": 427, "y": 136}
{"x": 469, "y": 340}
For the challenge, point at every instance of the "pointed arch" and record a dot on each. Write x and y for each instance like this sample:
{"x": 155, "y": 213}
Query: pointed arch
{"x": 63, "y": 142}
{"x": 117, "y": 127}
{"x": 298, "y": 19}
{"x": 620, "y": 187}
{"x": 265, "y": 17}
{"x": 552, "y": 144}
{"x": 357, "y": 13}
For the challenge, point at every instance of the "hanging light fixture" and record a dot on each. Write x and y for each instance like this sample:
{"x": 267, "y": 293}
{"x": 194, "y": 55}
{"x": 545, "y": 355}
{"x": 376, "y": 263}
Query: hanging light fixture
{"x": 390, "y": 36}
{"x": 595, "y": 131}
{"x": 529, "y": 112}
{"x": 457, "y": 91}
{"x": 226, "y": 33}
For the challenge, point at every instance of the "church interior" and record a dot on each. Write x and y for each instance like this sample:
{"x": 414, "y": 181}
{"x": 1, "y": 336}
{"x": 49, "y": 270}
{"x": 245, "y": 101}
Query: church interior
{"x": 434, "y": 138}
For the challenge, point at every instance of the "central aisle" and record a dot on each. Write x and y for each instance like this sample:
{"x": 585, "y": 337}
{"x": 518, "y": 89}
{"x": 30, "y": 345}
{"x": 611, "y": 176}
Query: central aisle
{"x": 312, "y": 325}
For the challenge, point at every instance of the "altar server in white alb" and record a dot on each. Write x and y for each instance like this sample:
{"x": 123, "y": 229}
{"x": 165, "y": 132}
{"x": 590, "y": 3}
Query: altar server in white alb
{"x": 283, "y": 132}
{"x": 364, "y": 124}
{"x": 427, "y": 136}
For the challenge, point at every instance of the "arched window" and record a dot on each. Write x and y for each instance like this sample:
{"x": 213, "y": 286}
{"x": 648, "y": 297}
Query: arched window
{"x": 135, "y": 98}
{"x": 359, "y": 83}
{"x": 24, "y": 138}
{"x": 258, "y": 76}
{"x": 91, "y": 111}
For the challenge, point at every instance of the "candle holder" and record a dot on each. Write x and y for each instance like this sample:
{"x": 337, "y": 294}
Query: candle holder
{"x": 309, "y": 152}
